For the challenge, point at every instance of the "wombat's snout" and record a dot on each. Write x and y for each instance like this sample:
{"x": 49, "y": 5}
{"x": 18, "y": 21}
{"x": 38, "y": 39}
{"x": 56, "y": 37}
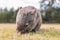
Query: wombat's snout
{"x": 27, "y": 24}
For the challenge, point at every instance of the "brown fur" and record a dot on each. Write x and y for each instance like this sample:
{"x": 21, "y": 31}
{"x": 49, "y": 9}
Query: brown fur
{"x": 37, "y": 16}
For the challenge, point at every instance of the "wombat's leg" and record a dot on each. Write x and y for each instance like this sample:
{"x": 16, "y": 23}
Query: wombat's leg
{"x": 18, "y": 29}
{"x": 36, "y": 28}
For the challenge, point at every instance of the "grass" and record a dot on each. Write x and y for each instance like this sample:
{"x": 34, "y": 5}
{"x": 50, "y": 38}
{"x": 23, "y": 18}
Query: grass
{"x": 47, "y": 32}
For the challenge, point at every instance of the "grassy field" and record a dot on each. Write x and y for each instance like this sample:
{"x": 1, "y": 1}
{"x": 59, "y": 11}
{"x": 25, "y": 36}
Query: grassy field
{"x": 47, "y": 32}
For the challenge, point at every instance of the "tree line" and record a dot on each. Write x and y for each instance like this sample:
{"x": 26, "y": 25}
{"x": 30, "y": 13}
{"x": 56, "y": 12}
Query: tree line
{"x": 7, "y": 16}
{"x": 50, "y": 15}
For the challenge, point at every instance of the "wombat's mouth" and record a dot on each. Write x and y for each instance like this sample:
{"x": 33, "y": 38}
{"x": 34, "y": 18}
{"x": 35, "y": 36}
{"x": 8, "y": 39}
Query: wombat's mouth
{"x": 26, "y": 24}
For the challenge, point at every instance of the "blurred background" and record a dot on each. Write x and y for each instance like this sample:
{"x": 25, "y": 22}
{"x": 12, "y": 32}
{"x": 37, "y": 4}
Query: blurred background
{"x": 50, "y": 9}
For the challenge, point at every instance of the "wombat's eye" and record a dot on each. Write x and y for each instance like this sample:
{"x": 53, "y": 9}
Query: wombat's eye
{"x": 24, "y": 14}
{"x": 32, "y": 14}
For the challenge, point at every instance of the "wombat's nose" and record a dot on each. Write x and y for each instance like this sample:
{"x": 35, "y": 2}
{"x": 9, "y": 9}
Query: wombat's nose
{"x": 26, "y": 23}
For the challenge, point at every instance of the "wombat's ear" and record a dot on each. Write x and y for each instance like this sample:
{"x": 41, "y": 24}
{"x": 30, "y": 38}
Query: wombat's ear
{"x": 20, "y": 7}
{"x": 34, "y": 11}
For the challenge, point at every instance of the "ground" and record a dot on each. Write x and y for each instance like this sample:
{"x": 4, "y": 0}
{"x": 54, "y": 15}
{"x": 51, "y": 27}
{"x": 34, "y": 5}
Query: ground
{"x": 47, "y": 32}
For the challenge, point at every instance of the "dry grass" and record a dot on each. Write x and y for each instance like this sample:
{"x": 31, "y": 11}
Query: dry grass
{"x": 47, "y": 32}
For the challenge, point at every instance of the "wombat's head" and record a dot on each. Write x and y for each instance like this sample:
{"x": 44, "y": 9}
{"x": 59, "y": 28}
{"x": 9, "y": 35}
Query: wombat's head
{"x": 28, "y": 18}
{"x": 26, "y": 15}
